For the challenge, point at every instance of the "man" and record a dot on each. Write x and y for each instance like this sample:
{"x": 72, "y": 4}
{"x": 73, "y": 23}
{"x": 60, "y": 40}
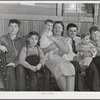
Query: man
{"x": 91, "y": 72}
{"x": 72, "y": 31}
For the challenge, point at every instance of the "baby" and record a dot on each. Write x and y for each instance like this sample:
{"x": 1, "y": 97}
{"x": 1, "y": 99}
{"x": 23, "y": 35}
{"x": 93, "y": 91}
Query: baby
{"x": 47, "y": 32}
{"x": 86, "y": 51}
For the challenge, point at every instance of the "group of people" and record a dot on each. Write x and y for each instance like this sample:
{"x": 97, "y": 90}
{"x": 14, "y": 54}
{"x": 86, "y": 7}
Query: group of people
{"x": 73, "y": 60}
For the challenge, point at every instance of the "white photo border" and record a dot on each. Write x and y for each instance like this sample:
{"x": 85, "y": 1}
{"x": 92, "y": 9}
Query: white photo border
{"x": 50, "y": 95}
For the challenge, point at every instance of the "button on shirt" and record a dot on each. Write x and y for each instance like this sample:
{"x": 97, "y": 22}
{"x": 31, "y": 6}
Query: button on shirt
{"x": 13, "y": 47}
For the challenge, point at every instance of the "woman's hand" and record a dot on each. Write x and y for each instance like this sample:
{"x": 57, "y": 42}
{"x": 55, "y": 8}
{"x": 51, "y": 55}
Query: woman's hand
{"x": 52, "y": 47}
{"x": 52, "y": 38}
{"x": 49, "y": 48}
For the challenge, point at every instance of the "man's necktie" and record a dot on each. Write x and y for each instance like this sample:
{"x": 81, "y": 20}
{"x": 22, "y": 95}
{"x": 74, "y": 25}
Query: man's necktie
{"x": 73, "y": 46}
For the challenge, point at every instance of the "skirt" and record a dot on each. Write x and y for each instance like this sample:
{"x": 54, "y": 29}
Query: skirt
{"x": 60, "y": 68}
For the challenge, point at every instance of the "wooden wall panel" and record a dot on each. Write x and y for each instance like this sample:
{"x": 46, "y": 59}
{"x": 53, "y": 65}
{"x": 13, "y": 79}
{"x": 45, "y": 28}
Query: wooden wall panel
{"x": 25, "y": 28}
{"x": 37, "y": 9}
{"x": 32, "y": 17}
{"x": 37, "y": 25}
{"x": 85, "y": 26}
{"x": 1, "y": 27}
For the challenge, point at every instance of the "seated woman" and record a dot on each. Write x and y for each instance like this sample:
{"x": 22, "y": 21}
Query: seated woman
{"x": 62, "y": 69}
{"x": 31, "y": 61}
{"x": 95, "y": 36}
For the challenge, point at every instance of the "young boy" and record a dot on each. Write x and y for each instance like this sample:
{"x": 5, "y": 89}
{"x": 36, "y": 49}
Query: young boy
{"x": 32, "y": 61}
{"x": 72, "y": 39}
{"x": 86, "y": 51}
{"x": 11, "y": 44}
{"x": 72, "y": 31}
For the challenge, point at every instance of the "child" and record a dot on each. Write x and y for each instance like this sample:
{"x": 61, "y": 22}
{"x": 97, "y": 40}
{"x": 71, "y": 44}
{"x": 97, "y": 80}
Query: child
{"x": 32, "y": 59}
{"x": 47, "y": 31}
{"x": 73, "y": 39}
{"x": 86, "y": 51}
{"x": 11, "y": 44}
{"x": 72, "y": 31}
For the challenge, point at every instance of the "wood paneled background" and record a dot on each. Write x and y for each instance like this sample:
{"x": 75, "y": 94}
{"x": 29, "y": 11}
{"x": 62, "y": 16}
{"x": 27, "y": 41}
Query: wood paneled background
{"x": 32, "y": 17}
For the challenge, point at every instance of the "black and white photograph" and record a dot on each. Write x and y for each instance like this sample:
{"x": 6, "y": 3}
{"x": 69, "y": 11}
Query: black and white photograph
{"x": 50, "y": 48}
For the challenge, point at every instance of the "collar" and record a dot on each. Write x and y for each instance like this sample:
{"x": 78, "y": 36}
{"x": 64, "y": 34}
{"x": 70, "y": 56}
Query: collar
{"x": 94, "y": 42}
{"x": 17, "y": 36}
{"x": 32, "y": 46}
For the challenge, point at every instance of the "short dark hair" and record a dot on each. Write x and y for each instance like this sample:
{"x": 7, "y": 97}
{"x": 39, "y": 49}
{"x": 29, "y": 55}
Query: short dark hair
{"x": 59, "y": 22}
{"x": 34, "y": 33}
{"x": 94, "y": 28}
{"x": 14, "y": 21}
{"x": 84, "y": 35}
{"x": 48, "y": 20}
{"x": 71, "y": 25}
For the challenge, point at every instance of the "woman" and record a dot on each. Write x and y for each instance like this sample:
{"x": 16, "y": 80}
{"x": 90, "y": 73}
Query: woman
{"x": 62, "y": 69}
{"x": 92, "y": 74}
{"x": 95, "y": 36}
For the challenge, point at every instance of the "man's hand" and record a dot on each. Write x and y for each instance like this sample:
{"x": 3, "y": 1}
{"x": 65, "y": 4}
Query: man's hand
{"x": 11, "y": 64}
{"x": 59, "y": 52}
{"x": 38, "y": 67}
{"x": 3, "y": 48}
{"x": 82, "y": 54}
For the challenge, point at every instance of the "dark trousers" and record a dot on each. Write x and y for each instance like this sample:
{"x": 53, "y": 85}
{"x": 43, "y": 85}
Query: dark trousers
{"x": 77, "y": 68}
{"x": 21, "y": 74}
{"x": 7, "y": 74}
{"x": 96, "y": 60}
{"x": 10, "y": 79}
{"x": 92, "y": 77}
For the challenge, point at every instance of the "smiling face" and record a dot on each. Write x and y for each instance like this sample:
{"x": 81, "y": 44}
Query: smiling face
{"x": 33, "y": 40}
{"x": 58, "y": 29}
{"x": 72, "y": 32}
{"x": 95, "y": 35}
{"x": 13, "y": 28}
